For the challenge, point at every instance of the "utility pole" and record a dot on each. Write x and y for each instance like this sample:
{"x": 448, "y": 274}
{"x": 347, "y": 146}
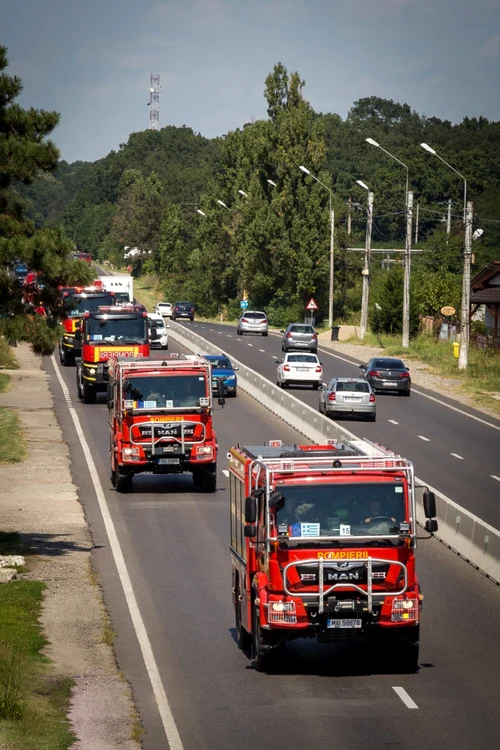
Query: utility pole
{"x": 366, "y": 269}
{"x": 416, "y": 224}
{"x": 463, "y": 357}
{"x": 407, "y": 272}
{"x": 332, "y": 239}
{"x": 349, "y": 208}
{"x": 448, "y": 220}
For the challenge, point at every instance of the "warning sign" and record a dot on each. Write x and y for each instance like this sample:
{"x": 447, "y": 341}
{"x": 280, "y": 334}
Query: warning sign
{"x": 311, "y": 305}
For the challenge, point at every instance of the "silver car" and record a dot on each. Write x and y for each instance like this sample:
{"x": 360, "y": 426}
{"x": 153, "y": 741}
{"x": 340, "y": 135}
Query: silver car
{"x": 253, "y": 321}
{"x": 349, "y": 396}
{"x": 299, "y": 336}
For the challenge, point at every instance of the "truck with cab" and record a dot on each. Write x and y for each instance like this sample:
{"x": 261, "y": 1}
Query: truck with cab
{"x": 122, "y": 286}
{"x": 160, "y": 419}
{"x": 323, "y": 546}
{"x": 77, "y": 301}
{"x": 106, "y": 333}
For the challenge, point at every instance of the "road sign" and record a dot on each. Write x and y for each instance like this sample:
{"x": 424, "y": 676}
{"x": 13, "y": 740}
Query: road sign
{"x": 245, "y": 295}
{"x": 311, "y": 305}
{"x": 447, "y": 311}
{"x": 244, "y": 304}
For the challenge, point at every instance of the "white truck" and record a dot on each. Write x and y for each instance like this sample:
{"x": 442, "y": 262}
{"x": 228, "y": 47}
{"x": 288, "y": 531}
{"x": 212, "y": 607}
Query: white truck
{"x": 122, "y": 286}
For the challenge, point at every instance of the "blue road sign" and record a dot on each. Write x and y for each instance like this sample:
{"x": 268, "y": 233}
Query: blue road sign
{"x": 244, "y": 304}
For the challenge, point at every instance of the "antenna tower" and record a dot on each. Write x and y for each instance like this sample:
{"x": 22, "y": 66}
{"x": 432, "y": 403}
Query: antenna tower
{"x": 154, "y": 102}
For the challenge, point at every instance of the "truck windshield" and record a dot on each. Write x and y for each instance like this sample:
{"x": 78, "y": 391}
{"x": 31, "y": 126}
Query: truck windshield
{"x": 337, "y": 510}
{"x": 119, "y": 330}
{"x": 79, "y": 305}
{"x": 168, "y": 391}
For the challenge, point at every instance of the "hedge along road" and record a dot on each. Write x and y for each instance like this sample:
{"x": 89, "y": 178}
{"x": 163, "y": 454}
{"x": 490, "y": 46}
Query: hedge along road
{"x": 175, "y": 547}
{"x": 453, "y": 452}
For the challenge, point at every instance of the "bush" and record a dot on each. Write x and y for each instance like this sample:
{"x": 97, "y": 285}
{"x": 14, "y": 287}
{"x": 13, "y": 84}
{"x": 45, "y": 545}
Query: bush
{"x": 388, "y": 316}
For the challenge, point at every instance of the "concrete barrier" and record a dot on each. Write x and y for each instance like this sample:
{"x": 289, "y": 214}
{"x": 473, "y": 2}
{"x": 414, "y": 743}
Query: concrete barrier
{"x": 459, "y": 529}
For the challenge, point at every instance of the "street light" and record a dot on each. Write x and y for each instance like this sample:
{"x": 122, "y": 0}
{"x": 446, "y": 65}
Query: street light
{"x": 366, "y": 267}
{"x": 221, "y": 203}
{"x": 407, "y": 270}
{"x": 432, "y": 151}
{"x": 199, "y": 211}
{"x": 271, "y": 182}
{"x": 332, "y": 230}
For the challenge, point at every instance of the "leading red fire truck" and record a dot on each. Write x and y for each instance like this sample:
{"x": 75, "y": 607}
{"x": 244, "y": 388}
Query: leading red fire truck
{"x": 77, "y": 301}
{"x": 323, "y": 545}
{"x": 106, "y": 333}
{"x": 161, "y": 419}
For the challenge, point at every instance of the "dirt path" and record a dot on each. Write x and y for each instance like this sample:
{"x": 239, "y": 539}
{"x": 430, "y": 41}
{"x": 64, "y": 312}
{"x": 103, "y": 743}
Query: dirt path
{"x": 40, "y": 501}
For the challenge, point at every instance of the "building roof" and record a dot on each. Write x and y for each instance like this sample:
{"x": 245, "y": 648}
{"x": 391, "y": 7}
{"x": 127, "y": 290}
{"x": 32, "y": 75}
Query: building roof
{"x": 489, "y": 296}
{"x": 481, "y": 279}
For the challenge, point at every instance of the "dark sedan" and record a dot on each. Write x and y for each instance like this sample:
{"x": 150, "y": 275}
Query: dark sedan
{"x": 387, "y": 374}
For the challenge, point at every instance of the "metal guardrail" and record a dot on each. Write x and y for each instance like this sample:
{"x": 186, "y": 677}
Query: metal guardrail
{"x": 464, "y": 533}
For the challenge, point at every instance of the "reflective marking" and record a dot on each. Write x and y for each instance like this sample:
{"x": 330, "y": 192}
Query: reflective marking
{"x": 455, "y": 455}
{"x": 494, "y": 476}
{"x": 262, "y": 350}
{"x": 225, "y": 472}
{"x": 249, "y": 344}
{"x": 169, "y": 725}
{"x": 401, "y": 692}
{"x": 422, "y": 437}
{"x": 392, "y": 421}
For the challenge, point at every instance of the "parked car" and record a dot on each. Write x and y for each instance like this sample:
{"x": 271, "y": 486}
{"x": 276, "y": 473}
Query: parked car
{"x": 352, "y": 396}
{"x": 299, "y": 336}
{"x": 299, "y": 369}
{"x": 387, "y": 374}
{"x": 164, "y": 309}
{"x": 222, "y": 369}
{"x": 253, "y": 321}
{"x": 158, "y": 331}
{"x": 183, "y": 310}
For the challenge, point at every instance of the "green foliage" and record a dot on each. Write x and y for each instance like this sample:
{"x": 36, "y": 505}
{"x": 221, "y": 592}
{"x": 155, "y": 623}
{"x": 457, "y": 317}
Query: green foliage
{"x": 12, "y": 441}
{"x": 388, "y": 316}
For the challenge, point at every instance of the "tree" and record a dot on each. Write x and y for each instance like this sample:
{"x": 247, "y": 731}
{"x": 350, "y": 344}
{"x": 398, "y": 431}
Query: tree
{"x": 387, "y": 316}
{"x": 25, "y": 152}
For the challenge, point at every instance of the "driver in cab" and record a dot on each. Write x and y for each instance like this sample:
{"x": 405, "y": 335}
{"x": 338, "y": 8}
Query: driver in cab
{"x": 376, "y": 510}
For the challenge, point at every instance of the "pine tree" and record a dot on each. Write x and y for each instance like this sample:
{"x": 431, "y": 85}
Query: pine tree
{"x": 388, "y": 316}
{"x": 25, "y": 153}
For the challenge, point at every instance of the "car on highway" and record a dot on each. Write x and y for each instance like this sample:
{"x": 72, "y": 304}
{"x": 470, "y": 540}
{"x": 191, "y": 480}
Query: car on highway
{"x": 158, "y": 331}
{"x": 348, "y": 396}
{"x": 299, "y": 369}
{"x": 387, "y": 374}
{"x": 253, "y": 321}
{"x": 164, "y": 309}
{"x": 183, "y": 310}
{"x": 299, "y": 336}
{"x": 222, "y": 369}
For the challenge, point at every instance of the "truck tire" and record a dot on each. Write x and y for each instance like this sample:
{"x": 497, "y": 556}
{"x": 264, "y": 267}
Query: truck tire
{"x": 262, "y": 656}
{"x": 124, "y": 482}
{"x": 208, "y": 478}
{"x": 66, "y": 358}
{"x": 88, "y": 394}
{"x": 399, "y": 649}
{"x": 243, "y": 637}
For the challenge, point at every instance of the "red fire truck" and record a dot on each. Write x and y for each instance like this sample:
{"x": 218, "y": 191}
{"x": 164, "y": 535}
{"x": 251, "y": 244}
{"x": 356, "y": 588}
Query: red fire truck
{"x": 76, "y": 302}
{"x": 323, "y": 543}
{"x": 161, "y": 419}
{"x": 108, "y": 332}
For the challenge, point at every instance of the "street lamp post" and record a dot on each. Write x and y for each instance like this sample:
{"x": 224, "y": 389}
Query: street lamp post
{"x": 407, "y": 266}
{"x": 432, "y": 151}
{"x": 332, "y": 244}
{"x": 366, "y": 266}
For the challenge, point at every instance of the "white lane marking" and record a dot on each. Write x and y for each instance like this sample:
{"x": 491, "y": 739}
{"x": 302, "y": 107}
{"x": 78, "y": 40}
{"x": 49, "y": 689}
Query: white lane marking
{"x": 210, "y": 329}
{"x": 455, "y": 455}
{"x": 262, "y": 350}
{"x": 203, "y": 326}
{"x": 220, "y": 333}
{"x": 494, "y": 476}
{"x": 401, "y": 692}
{"x": 229, "y": 335}
{"x": 225, "y": 472}
{"x": 392, "y": 421}
{"x": 249, "y": 344}
{"x": 168, "y": 721}
{"x": 422, "y": 437}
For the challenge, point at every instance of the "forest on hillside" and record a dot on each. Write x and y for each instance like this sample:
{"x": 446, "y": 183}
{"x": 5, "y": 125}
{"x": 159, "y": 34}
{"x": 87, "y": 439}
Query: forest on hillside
{"x": 159, "y": 192}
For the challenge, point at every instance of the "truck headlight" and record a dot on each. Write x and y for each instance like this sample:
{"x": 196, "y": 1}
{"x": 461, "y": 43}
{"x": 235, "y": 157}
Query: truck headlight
{"x": 91, "y": 370}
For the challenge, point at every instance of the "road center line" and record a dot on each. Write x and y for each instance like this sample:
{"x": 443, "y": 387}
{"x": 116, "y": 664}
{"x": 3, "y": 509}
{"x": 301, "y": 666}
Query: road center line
{"x": 262, "y": 350}
{"x": 422, "y": 437}
{"x": 167, "y": 718}
{"x": 229, "y": 335}
{"x": 392, "y": 421}
{"x": 401, "y": 693}
{"x": 455, "y": 455}
{"x": 494, "y": 476}
{"x": 249, "y": 344}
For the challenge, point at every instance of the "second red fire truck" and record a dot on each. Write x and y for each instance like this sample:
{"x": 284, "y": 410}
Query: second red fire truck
{"x": 323, "y": 542}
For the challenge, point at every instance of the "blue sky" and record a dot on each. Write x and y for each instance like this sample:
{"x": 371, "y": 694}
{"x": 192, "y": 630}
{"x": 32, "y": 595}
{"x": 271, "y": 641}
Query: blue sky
{"x": 91, "y": 59}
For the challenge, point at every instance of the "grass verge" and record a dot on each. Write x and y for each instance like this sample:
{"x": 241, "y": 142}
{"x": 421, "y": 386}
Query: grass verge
{"x": 33, "y": 705}
{"x": 12, "y": 442}
{"x": 481, "y": 379}
{"x": 7, "y": 362}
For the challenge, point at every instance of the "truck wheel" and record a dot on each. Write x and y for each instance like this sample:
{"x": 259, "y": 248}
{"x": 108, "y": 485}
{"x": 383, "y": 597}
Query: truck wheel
{"x": 208, "y": 478}
{"x": 261, "y": 655}
{"x": 66, "y": 359}
{"x": 243, "y": 638}
{"x": 124, "y": 482}
{"x": 88, "y": 394}
{"x": 400, "y": 649}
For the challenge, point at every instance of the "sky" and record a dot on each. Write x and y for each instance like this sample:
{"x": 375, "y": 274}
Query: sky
{"x": 91, "y": 60}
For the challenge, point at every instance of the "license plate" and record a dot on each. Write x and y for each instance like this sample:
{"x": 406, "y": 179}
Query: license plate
{"x": 302, "y": 369}
{"x": 169, "y": 461}
{"x": 388, "y": 385}
{"x": 351, "y": 398}
{"x": 337, "y": 624}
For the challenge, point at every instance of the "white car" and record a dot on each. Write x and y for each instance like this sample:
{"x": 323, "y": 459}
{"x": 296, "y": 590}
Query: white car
{"x": 299, "y": 368}
{"x": 164, "y": 309}
{"x": 158, "y": 331}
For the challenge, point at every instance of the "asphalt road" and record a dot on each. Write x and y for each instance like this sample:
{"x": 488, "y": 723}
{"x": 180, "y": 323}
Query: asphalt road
{"x": 456, "y": 454}
{"x": 175, "y": 543}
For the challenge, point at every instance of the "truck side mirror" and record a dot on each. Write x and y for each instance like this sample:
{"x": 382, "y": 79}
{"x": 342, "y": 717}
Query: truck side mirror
{"x": 250, "y": 510}
{"x": 429, "y": 504}
{"x": 250, "y": 531}
{"x": 275, "y": 499}
{"x": 431, "y": 526}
